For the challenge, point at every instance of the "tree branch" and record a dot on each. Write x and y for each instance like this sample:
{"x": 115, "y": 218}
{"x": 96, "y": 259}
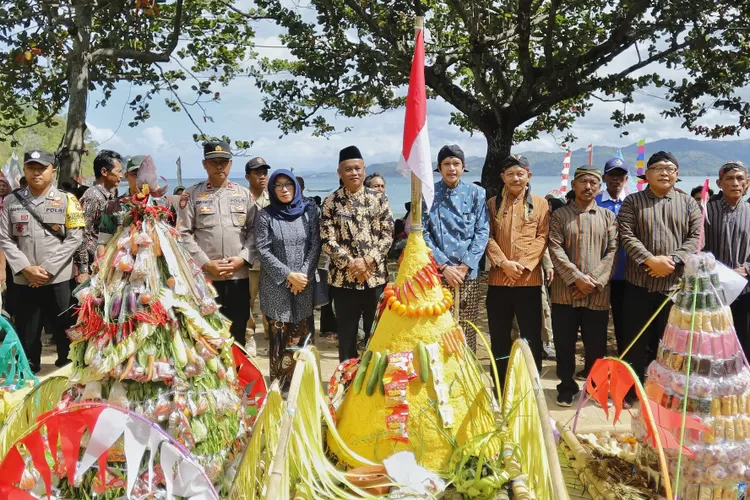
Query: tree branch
{"x": 618, "y": 37}
{"x": 597, "y": 83}
{"x": 141, "y": 56}
{"x": 551, "y": 27}
{"x": 524, "y": 41}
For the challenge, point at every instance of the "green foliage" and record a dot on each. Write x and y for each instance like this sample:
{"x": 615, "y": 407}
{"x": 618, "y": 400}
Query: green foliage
{"x": 47, "y": 138}
{"x": 160, "y": 47}
{"x": 512, "y": 70}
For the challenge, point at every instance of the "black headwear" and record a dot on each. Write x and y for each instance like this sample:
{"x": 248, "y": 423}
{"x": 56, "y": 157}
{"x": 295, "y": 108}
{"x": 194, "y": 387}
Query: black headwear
{"x": 656, "y": 158}
{"x": 350, "y": 153}
{"x": 662, "y": 156}
{"x": 450, "y": 151}
{"x": 514, "y": 161}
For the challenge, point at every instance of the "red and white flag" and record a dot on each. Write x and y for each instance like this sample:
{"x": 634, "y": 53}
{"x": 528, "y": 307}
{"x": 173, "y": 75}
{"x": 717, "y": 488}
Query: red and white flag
{"x": 564, "y": 173}
{"x": 415, "y": 154}
{"x": 590, "y": 151}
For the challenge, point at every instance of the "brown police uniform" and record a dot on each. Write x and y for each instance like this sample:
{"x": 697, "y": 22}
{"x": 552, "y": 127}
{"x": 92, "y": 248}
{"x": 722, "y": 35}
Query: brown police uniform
{"x": 215, "y": 223}
{"x": 26, "y": 242}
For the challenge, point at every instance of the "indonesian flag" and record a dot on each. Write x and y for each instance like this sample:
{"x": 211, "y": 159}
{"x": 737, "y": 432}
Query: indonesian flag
{"x": 415, "y": 155}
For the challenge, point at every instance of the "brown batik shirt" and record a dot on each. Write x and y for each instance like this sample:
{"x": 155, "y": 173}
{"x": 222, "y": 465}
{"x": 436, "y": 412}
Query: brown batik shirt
{"x": 356, "y": 225}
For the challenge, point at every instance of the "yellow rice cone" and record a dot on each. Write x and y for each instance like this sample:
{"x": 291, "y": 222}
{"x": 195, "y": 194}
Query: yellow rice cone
{"x": 361, "y": 418}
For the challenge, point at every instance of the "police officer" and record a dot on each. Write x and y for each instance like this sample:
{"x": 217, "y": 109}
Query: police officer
{"x": 40, "y": 230}
{"x": 215, "y": 219}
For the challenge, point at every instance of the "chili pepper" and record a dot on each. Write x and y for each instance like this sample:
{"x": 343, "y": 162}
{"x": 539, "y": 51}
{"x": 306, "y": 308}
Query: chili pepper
{"x": 398, "y": 292}
{"x": 410, "y": 288}
{"x": 421, "y": 285}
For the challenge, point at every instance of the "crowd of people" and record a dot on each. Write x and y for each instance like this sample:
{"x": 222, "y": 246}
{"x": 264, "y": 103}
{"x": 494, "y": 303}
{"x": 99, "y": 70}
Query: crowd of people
{"x": 556, "y": 267}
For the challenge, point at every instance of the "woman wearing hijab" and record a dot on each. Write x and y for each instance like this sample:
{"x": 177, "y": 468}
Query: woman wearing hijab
{"x": 288, "y": 240}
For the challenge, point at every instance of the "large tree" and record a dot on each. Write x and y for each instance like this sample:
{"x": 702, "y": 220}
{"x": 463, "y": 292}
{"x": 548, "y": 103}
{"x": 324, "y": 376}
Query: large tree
{"x": 513, "y": 69}
{"x": 58, "y": 54}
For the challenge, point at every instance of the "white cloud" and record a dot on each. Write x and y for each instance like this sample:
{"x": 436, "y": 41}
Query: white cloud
{"x": 105, "y": 137}
{"x": 153, "y": 138}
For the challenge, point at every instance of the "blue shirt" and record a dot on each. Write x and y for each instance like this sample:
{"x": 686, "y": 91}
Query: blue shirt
{"x": 604, "y": 200}
{"x": 457, "y": 226}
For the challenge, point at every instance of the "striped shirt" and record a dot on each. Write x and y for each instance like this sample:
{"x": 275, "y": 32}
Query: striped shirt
{"x": 518, "y": 237}
{"x": 582, "y": 242}
{"x": 651, "y": 226}
{"x": 727, "y": 234}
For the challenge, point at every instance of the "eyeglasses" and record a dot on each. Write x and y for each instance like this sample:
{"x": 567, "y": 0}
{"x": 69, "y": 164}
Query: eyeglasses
{"x": 288, "y": 186}
{"x": 666, "y": 170}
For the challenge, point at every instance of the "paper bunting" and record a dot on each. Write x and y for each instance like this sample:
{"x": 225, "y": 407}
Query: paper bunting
{"x": 609, "y": 377}
{"x": 136, "y": 437}
{"x": 106, "y": 425}
{"x": 667, "y": 422}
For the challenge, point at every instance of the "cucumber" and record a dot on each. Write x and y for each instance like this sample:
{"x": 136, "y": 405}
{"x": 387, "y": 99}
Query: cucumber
{"x": 361, "y": 371}
{"x": 373, "y": 374}
{"x": 381, "y": 372}
{"x": 424, "y": 362}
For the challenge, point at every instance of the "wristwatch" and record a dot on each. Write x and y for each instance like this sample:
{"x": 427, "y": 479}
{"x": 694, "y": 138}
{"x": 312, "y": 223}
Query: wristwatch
{"x": 676, "y": 260}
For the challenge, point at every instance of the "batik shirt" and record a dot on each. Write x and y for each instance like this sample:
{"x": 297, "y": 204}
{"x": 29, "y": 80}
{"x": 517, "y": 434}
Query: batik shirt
{"x": 356, "y": 225}
{"x": 457, "y": 226}
{"x": 94, "y": 202}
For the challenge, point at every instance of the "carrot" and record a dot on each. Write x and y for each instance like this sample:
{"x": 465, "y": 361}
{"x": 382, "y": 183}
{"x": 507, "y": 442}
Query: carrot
{"x": 207, "y": 345}
{"x": 128, "y": 368}
{"x": 447, "y": 344}
{"x": 459, "y": 344}
{"x": 150, "y": 370}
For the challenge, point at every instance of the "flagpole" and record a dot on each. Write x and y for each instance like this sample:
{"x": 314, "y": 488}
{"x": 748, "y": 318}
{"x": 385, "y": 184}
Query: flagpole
{"x": 416, "y": 182}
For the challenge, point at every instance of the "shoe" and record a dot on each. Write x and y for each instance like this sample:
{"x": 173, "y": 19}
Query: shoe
{"x": 583, "y": 375}
{"x": 548, "y": 351}
{"x": 61, "y": 362}
{"x": 35, "y": 368}
{"x": 565, "y": 399}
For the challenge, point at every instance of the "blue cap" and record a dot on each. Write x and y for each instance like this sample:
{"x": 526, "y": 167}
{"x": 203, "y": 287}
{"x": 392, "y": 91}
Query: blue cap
{"x": 615, "y": 164}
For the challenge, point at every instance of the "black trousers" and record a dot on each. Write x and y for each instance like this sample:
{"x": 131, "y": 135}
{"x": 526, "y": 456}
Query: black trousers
{"x": 351, "y": 305}
{"x": 566, "y": 320}
{"x": 45, "y": 306}
{"x": 741, "y": 315}
{"x": 523, "y": 302}
{"x": 640, "y": 304}
{"x": 234, "y": 300}
{"x": 327, "y": 318}
{"x": 617, "y": 301}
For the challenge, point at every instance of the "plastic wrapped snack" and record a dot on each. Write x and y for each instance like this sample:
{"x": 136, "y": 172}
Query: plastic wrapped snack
{"x": 700, "y": 367}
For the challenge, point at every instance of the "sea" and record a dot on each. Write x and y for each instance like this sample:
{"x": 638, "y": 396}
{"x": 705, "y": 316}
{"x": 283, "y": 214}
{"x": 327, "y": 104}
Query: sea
{"x": 398, "y": 188}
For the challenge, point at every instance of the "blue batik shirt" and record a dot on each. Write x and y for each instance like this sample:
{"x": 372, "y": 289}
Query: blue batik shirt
{"x": 457, "y": 226}
{"x": 604, "y": 200}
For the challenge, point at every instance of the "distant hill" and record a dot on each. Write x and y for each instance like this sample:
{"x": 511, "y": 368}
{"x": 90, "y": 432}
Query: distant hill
{"x": 695, "y": 157}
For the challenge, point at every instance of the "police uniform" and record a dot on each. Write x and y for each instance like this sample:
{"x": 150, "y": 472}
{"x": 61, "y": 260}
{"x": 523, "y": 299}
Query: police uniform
{"x": 26, "y": 242}
{"x": 215, "y": 222}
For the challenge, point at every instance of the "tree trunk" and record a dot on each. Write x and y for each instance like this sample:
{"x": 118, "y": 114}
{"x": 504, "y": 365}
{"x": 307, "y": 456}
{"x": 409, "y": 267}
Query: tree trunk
{"x": 69, "y": 166}
{"x": 499, "y": 143}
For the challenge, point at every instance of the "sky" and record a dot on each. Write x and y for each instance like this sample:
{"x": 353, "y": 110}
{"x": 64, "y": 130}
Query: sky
{"x": 168, "y": 135}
